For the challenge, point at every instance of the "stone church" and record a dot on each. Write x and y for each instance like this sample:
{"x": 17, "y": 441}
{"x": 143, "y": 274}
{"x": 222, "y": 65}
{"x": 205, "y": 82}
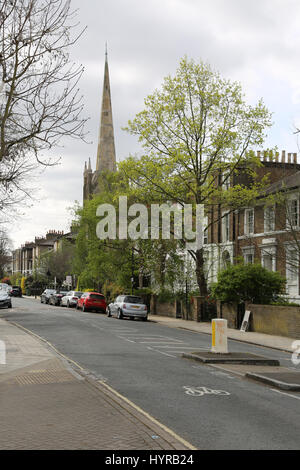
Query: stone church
{"x": 106, "y": 154}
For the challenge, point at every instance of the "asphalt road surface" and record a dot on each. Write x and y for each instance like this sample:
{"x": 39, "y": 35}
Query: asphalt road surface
{"x": 211, "y": 408}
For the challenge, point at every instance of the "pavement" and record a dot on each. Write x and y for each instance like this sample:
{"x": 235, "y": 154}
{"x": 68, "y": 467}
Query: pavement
{"x": 48, "y": 403}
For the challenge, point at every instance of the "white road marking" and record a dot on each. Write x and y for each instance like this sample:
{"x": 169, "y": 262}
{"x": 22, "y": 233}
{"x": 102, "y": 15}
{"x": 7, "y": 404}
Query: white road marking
{"x": 185, "y": 347}
{"x": 200, "y": 391}
{"x": 159, "y": 342}
{"x": 161, "y": 352}
{"x": 284, "y": 393}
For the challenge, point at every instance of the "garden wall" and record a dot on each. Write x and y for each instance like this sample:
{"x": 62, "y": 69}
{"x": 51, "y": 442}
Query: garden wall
{"x": 270, "y": 319}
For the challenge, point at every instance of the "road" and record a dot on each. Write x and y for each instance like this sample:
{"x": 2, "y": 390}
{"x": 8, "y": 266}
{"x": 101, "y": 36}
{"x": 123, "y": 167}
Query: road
{"x": 142, "y": 361}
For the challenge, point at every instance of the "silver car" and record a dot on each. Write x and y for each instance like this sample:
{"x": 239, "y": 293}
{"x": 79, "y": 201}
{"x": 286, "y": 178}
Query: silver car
{"x": 128, "y": 306}
{"x": 70, "y": 300}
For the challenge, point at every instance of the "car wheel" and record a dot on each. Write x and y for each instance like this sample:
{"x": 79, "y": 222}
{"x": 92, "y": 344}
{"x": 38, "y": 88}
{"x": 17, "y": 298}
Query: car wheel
{"x": 144, "y": 318}
{"x": 9, "y": 306}
{"x": 120, "y": 314}
{"x": 108, "y": 312}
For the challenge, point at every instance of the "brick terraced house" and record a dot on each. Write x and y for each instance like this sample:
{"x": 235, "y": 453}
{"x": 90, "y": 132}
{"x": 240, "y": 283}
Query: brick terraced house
{"x": 265, "y": 233}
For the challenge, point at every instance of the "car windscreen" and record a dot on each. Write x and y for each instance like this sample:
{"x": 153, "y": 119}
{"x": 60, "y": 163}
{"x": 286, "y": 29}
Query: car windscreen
{"x": 78, "y": 294}
{"x": 96, "y": 296}
{"x": 133, "y": 300}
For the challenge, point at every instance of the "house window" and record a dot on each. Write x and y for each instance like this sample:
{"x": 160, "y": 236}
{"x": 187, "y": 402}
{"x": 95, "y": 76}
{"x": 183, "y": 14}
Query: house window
{"x": 269, "y": 219}
{"x": 249, "y": 221}
{"x": 292, "y": 269}
{"x": 225, "y": 228}
{"x": 249, "y": 258}
{"x": 226, "y": 261}
{"x": 268, "y": 262}
{"x": 248, "y": 254}
{"x": 226, "y": 181}
{"x": 293, "y": 213}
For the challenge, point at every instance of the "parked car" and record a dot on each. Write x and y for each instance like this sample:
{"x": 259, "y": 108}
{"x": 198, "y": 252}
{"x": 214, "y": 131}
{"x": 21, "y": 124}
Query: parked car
{"x": 46, "y": 295}
{"x": 16, "y": 291}
{"x": 128, "y": 306}
{"x": 5, "y": 300}
{"x": 92, "y": 301}
{"x": 70, "y": 300}
{"x": 55, "y": 298}
{"x": 5, "y": 287}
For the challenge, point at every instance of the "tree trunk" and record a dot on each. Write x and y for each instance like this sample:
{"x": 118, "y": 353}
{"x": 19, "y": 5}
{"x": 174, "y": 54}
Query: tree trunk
{"x": 200, "y": 274}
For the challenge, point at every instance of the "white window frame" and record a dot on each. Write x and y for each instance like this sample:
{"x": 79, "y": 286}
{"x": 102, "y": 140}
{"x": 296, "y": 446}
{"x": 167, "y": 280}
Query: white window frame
{"x": 292, "y": 224}
{"x": 292, "y": 272}
{"x": 248, "y": 254}
{"x": 225, "y": 227}
{"x": 248, "y": 230}
{"x": 269, "y": 220}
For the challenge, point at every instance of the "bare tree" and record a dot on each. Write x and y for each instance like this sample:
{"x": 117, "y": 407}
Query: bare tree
{"x": 5, "y": 251}
{"x": 39, "y": 96}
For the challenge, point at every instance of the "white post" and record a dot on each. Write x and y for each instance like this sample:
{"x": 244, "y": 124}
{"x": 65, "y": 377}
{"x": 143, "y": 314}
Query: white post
{"x": 219, "y": 336}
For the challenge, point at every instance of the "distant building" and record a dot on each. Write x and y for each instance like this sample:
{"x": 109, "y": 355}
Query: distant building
{"x": 25, "y": 259}
{"x": 106, "y": 154}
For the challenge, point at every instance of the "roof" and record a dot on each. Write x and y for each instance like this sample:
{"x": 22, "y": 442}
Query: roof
{"x": 287, "y": 183}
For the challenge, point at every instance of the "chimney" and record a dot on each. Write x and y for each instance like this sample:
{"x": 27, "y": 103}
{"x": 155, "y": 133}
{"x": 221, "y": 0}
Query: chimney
{"x": 283, "y": 156}
{"x": 265, "y": 156}
{"x": 258, "y": 154}
{"x": 289, "y": 158}
{"x": 277, "y": 157}
{"x": 295, "y": 157}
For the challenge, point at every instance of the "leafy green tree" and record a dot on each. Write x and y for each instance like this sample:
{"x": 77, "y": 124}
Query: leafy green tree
{"x": 248, "y": 282}
{"x": 196, "y": 128}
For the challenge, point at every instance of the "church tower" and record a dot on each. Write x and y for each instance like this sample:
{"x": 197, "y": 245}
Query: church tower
{"x": 106, "y": 154}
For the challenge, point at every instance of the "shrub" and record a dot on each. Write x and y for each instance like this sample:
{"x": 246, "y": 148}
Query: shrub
{"x": 248, "y": 282}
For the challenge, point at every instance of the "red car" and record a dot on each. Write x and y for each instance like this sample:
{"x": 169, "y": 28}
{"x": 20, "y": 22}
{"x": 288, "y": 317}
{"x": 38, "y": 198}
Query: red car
{"x": 91, "y": 301}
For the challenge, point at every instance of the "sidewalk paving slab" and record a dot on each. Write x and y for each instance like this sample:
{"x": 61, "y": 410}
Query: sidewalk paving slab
{"x": 47, "y": 404}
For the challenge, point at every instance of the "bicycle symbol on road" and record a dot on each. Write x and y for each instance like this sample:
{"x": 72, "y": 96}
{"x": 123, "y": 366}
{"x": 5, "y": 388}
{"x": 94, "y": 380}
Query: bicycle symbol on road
{"x": 200, "y": 391}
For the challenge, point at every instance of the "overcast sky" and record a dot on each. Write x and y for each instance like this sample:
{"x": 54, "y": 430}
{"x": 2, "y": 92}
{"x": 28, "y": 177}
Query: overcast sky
{"x": 256, "y": 43}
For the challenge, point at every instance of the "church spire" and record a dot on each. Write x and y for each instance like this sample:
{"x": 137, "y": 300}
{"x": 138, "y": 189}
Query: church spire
{"x": 106, "y": 154}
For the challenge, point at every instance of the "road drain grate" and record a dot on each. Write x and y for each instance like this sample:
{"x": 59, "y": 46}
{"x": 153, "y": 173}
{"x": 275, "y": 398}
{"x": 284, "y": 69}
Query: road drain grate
{"x": 44, "y": 377}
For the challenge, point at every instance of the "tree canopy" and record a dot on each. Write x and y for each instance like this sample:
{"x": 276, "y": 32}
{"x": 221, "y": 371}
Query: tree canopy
{"x": 197, "y": 132}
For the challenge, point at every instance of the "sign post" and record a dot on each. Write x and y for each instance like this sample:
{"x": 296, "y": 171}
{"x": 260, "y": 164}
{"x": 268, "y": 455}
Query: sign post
{"x": 219, "y": 336}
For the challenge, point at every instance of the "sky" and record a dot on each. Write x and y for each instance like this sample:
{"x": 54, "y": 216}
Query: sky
{"x": 256, "y": 43}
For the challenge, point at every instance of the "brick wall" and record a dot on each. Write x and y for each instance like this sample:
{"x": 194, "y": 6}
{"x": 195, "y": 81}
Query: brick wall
{"x": 269, "y": 319}
{"x": 275, "y": 320}
{"x": 229, "y": 313}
